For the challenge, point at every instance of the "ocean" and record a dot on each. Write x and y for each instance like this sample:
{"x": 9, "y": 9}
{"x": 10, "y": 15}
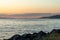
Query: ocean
{"x": 10, "y": 27}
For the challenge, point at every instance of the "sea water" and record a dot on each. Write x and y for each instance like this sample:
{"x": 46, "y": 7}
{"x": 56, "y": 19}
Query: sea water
{"x": 10, "y": 27}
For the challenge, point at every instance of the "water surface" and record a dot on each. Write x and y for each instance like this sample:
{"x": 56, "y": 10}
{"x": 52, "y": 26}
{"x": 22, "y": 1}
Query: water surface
{"x": 9, "y": 27}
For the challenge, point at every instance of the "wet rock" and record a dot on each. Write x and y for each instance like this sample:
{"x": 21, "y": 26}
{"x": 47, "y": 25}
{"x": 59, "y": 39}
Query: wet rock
{"x": 15, "y": 37}
{"x": 55, "y": 31}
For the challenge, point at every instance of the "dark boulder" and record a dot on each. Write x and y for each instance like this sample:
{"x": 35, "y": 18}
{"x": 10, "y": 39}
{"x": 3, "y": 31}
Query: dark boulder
{"x": 34, "y": 35}
{"x": 15, "y": 37}
{"x": 41, "y": 33}
{"x": 27, "y": 36}
{"x": 55, "y": 31}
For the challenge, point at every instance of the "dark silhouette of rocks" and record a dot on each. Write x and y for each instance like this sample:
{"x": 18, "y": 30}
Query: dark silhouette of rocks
{"x": 41, "y": 33}
{"x": 55, "y": 33}
{"x": 15, "y": 37}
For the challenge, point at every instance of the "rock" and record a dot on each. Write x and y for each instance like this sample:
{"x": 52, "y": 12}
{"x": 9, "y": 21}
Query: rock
{"x": 55, "y": 31}
{"x": 41, "y": 33}
{"x": 15, "y": 37}
{"x": 27, "y": 36}
{"x": 34, "y": 35}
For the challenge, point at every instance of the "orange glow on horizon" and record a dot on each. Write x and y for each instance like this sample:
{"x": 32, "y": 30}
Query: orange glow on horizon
{"x": 29, "y": 10}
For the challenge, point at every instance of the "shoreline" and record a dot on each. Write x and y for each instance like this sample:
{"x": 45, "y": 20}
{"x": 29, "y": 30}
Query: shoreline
{"x": 37, "y": 36}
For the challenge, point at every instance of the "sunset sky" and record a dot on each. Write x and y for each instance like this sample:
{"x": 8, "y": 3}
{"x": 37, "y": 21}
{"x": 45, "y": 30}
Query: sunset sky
{"x": 29, "y": 6}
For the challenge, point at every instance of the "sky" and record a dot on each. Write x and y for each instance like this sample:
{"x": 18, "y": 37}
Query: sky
{"x": 29, "y": 6}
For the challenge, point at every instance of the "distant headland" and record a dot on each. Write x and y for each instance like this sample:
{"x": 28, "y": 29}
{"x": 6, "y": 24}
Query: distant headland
{"x": 52, "y": 17}
{"x": 31, "y": 15}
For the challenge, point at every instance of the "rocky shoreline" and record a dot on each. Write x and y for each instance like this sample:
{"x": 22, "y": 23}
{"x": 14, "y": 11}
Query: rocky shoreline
{"x": 53, "y": 35}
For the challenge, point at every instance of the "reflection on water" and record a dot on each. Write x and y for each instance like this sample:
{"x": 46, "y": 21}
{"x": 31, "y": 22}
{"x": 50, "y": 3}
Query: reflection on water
{"x": 9, "y": 27}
